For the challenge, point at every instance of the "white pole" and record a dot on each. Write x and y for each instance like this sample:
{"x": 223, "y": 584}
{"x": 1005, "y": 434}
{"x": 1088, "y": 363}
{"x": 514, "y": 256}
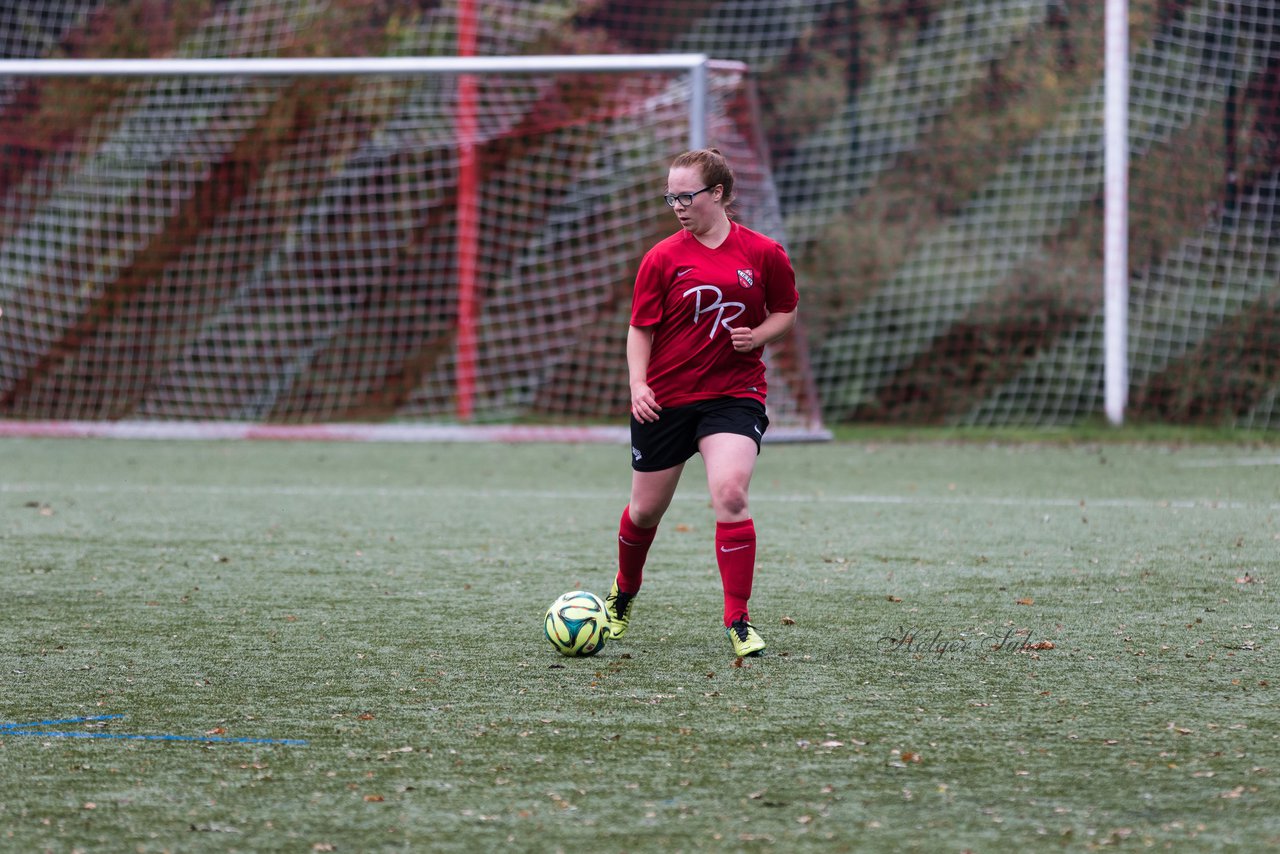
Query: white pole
{"x": 1116, "y": 212}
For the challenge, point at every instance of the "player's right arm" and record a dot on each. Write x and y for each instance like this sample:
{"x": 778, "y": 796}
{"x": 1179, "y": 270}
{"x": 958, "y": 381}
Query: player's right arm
{"x": 644, "y": 406}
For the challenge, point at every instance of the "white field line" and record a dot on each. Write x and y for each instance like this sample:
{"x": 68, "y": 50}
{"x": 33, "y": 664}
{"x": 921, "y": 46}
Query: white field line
{"x": 455, "y": 493}
{"x": 453, "y": 433}
{"x": 1229, "y": 462}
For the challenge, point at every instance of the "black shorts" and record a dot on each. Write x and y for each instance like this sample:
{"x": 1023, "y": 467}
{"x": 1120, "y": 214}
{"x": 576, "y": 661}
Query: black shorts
{"x": 673, "y": 438}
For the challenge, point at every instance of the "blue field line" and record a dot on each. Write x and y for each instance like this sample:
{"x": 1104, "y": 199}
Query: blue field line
{"x": 34, "y": 728}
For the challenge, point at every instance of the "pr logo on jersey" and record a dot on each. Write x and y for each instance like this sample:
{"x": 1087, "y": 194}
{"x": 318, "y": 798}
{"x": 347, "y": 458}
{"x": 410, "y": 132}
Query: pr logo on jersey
{"x": 719, "y": 306}
{"x": 746, "y": 278}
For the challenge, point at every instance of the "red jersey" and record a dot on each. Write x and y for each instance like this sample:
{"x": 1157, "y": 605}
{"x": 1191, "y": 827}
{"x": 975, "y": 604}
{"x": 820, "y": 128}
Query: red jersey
{"x": 693, "y": 296}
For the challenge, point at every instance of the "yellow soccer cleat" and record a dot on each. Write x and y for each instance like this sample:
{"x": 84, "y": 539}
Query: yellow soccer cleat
{"x": 618, "y": 605}
{"x": 745, "y": 639}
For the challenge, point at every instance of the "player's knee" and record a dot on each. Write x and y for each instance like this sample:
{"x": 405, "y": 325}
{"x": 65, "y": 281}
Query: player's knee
{"x": 645, "y": 517}
{"x": 731, "y": 499}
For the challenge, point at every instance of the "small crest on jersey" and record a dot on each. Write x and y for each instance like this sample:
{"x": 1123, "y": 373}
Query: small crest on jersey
{"x": 746, "y": 278}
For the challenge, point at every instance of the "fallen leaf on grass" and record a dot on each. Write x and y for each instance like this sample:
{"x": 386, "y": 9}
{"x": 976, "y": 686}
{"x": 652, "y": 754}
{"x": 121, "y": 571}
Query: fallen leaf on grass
{"x": 903, "y": 758}
{"x": 1025, "y": 600}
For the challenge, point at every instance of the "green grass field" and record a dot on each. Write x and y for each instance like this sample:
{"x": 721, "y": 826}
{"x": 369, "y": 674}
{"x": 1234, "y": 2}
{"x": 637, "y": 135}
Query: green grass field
{"x": 383, "y": 603}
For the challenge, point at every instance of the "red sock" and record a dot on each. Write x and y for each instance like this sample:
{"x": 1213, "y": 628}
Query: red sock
{"x": 633, "y": 548}
{"x": 736, "y": 556}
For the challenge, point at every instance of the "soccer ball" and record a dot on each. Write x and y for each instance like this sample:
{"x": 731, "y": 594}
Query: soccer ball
{"x": 577, "y": 623}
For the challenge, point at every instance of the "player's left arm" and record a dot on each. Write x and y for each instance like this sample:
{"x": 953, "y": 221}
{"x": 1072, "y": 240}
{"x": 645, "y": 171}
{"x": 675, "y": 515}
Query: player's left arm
{"x": 774, "y": 327}
{"x": 780, "y": 283}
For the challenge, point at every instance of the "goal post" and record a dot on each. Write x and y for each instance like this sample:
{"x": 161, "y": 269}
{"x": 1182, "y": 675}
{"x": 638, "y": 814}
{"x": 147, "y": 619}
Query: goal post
{"x": 370, "y": 240}
{"x": 1116, "y": 213}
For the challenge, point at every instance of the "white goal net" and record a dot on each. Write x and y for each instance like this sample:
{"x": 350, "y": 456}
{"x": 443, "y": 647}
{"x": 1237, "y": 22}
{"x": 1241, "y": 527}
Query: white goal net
{"x": 376, "y": 248}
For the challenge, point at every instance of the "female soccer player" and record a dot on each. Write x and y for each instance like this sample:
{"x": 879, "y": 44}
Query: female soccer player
{"x": 707, "y": 300}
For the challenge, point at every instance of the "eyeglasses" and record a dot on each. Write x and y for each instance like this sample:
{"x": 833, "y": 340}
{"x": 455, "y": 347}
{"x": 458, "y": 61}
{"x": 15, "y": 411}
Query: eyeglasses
{"x": 685, "y": 199}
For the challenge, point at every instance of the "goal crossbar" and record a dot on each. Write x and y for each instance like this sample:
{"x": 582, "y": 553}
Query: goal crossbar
{"x": 696, "y": 64}
{"x": 344, "y": 65}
